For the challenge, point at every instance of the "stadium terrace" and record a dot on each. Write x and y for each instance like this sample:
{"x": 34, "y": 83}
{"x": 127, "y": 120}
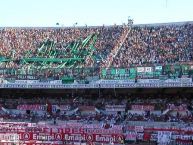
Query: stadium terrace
{"x": 116, "y": 84}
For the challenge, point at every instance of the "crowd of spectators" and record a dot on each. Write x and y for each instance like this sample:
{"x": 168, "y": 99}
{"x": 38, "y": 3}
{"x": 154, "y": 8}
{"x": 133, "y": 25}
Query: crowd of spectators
{"x": 162, "y": 44}
{"x": 16, "y": 43}
{"x": 144, "y": 45}
{"x": 177, "y": 109}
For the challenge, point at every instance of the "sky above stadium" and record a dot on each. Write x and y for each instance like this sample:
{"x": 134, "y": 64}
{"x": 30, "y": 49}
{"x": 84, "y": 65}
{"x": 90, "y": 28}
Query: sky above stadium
{"x": 92, "y": 13}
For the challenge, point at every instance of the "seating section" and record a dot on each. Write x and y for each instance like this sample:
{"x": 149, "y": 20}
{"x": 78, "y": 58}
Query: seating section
{"x": 115, "y": 110}
{"x": 18, "y": 43}
{"x": 150, "y": 51}
{"x": 157, "y": 44}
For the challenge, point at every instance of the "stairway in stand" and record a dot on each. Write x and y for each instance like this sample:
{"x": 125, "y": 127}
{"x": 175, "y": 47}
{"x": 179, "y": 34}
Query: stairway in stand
{"x": 117, "y": 47}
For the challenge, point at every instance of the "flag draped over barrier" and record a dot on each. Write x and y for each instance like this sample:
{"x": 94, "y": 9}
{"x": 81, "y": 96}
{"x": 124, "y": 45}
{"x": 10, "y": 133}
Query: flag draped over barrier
{"x": 74, "y": 54}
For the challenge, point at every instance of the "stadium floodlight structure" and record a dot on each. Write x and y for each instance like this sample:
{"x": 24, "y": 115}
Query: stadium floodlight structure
{"x": 130, "y": 21}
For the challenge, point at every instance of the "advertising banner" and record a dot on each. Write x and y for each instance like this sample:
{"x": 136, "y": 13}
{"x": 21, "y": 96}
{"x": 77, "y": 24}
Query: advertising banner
{"x": 115, "y": 108}
{"x": 142, "y": 107}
